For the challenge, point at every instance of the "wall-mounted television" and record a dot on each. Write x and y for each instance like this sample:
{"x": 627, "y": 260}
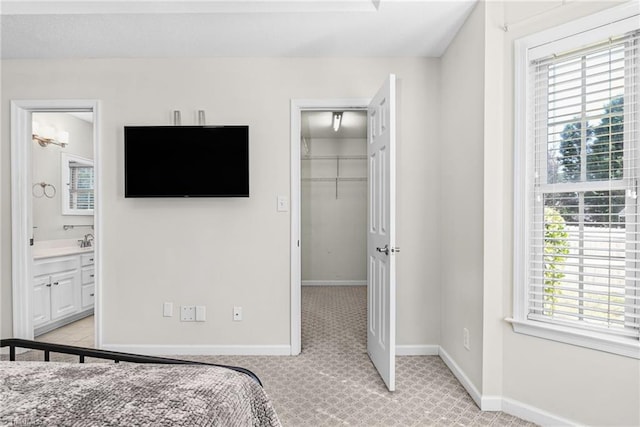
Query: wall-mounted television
{"x": 186, "y": 161}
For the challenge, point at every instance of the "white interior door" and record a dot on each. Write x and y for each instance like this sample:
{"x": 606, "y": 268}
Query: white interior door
{"x": 381, "y": 250}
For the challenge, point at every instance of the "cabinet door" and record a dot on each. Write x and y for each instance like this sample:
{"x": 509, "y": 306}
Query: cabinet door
{"x": 65, "y": 294}
{"x": 88, "y": 295}
{"x": 86, "y": 259}
{"x": 88, "y": 274}
{"x": 41, "y": 301}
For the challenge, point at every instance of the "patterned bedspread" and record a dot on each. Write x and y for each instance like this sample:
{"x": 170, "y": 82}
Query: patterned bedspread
{"x": 107, "y": 394}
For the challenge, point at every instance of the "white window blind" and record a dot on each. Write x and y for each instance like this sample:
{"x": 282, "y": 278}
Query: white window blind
{"x": 80, "y": 187}
{"x": 583, "y": 257}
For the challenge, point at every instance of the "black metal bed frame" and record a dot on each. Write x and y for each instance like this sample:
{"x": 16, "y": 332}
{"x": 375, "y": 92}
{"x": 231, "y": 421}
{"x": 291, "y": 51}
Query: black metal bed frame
{"x": 116, "y": 356}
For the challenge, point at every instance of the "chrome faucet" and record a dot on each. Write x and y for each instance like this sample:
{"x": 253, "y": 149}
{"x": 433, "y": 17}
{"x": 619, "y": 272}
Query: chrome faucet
{"x": 86, "y": 242}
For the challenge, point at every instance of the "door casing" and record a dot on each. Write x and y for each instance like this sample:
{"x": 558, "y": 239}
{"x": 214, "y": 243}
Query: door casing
{"x": 21, "y": 260}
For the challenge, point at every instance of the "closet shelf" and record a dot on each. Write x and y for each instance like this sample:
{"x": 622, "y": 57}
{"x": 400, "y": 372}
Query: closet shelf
{"x": 336, "y": 178}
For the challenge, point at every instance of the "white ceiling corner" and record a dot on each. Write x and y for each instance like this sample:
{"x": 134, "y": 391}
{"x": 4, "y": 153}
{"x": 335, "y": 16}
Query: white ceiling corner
{"x": 85, "y": 7}
{"x": 240, "y": 28}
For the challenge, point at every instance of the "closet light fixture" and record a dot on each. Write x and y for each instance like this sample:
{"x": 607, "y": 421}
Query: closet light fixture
{"x": 46, "y": 137}
{"x": 337, "y": 120}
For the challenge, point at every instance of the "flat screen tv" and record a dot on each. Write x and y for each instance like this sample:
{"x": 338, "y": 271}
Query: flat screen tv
{"x": 186, "y": 161}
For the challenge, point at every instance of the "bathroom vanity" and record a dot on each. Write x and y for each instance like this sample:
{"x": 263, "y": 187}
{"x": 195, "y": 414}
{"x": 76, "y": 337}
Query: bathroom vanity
{"x": 63, "y": 286}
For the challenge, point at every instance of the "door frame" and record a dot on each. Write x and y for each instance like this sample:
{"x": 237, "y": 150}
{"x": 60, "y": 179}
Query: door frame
{"x": 297, "y": 107}
{"x": 21, "y": 217}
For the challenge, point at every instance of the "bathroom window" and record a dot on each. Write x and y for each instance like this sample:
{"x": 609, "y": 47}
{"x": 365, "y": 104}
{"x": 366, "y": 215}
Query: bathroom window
{"x": 77, "y": 181}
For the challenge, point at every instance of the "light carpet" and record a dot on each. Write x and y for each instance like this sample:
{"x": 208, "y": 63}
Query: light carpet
{"x": 333, "y": 382}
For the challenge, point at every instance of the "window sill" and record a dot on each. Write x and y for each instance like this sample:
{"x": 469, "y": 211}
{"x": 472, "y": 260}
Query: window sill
{"x": 628, "y": 347}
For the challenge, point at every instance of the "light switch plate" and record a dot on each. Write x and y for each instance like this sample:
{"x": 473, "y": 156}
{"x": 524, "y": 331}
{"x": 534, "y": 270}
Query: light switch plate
{"x": 167, "y": 309}
{"x": 201, "y": 313}
{"x": 283, "y": 204}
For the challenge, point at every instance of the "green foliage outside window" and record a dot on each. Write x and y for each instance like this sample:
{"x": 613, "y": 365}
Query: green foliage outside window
{"x": 556, "y": 248}
{"x": 604, "y": 146}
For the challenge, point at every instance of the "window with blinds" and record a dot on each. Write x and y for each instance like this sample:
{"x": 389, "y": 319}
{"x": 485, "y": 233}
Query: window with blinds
{"x": 80, "y": 186}
{"x": 583, "y": 232}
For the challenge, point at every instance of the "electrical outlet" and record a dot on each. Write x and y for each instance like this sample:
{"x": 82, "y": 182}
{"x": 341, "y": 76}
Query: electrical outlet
{"x": 465, "y": 338}
{"x": 188, "y": 313}
{"x": 237, "y": 314}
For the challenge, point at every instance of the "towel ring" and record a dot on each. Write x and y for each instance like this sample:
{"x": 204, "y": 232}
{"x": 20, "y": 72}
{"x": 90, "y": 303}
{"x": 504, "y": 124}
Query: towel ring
{"x": 40, "y": 189}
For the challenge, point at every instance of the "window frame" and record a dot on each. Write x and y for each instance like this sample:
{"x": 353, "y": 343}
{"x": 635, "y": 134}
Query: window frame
{"x": 65, "y": 174}
{"x": 578, "y": 33}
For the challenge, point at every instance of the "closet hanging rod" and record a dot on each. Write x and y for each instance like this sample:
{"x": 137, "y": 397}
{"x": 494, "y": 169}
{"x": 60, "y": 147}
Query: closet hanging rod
{"x": 352, "y": 157}
{"x": 329, "y": 179}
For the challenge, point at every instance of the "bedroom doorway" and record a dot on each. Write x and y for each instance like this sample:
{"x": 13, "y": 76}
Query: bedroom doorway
{"x": 55, "y": 227}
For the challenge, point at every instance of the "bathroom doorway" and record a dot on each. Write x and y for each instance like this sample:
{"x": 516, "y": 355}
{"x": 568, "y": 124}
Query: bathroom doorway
{"x": 54, "y": 223}
{"x": 62, "y": 187}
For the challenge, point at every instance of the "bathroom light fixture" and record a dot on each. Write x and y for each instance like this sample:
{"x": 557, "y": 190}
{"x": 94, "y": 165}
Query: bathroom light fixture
{"x": 47, "y": 136}
{"x": 337, "y": 120}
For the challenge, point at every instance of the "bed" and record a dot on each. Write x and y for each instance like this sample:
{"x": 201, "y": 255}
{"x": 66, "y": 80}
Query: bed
{"x": 144, "y": 391}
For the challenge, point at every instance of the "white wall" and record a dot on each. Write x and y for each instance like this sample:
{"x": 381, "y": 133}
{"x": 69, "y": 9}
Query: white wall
{"x": 226, "y": 252}
{"x": 461, "y": 195}
{"x": 527, "y": 376}
{"x": 334, "y": 226}
{"x": 496, "y": 270}
{"x": 579, "y": 384}
{"x": 46, "y": 167}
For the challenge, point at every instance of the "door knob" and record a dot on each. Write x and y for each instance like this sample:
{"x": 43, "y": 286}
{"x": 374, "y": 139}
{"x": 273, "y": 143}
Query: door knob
{"x": 384, "y": 250}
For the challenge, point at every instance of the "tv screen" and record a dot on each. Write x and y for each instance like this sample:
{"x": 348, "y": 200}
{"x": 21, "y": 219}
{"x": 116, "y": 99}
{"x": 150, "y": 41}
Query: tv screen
{"x": 186, "y": 161}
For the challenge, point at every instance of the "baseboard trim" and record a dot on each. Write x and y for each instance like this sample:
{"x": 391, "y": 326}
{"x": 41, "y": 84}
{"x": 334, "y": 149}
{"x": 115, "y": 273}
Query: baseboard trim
{"x": 202, "y": 350}
{"x": 417, "y": 350}
{"x": 462, "y": 377}
{"x": 491, "y": 403}
{"x": 334, "y": 283}
{"x": 533, "y": 414}
{"x": 505, "y": 404}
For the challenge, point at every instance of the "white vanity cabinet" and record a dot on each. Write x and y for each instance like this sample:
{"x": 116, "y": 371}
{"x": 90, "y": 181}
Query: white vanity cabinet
{"x": 58, "y": 290}
{"x": 87, "y": 275}
{"x": 41, "y": 301}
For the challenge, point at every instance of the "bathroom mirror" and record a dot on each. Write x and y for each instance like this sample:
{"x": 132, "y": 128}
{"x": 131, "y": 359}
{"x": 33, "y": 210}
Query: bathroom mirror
{"x": 77, "y": 185}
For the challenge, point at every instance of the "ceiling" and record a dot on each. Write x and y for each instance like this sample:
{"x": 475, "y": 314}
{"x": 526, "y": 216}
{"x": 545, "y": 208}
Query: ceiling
{"x": 229, "y": 28}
